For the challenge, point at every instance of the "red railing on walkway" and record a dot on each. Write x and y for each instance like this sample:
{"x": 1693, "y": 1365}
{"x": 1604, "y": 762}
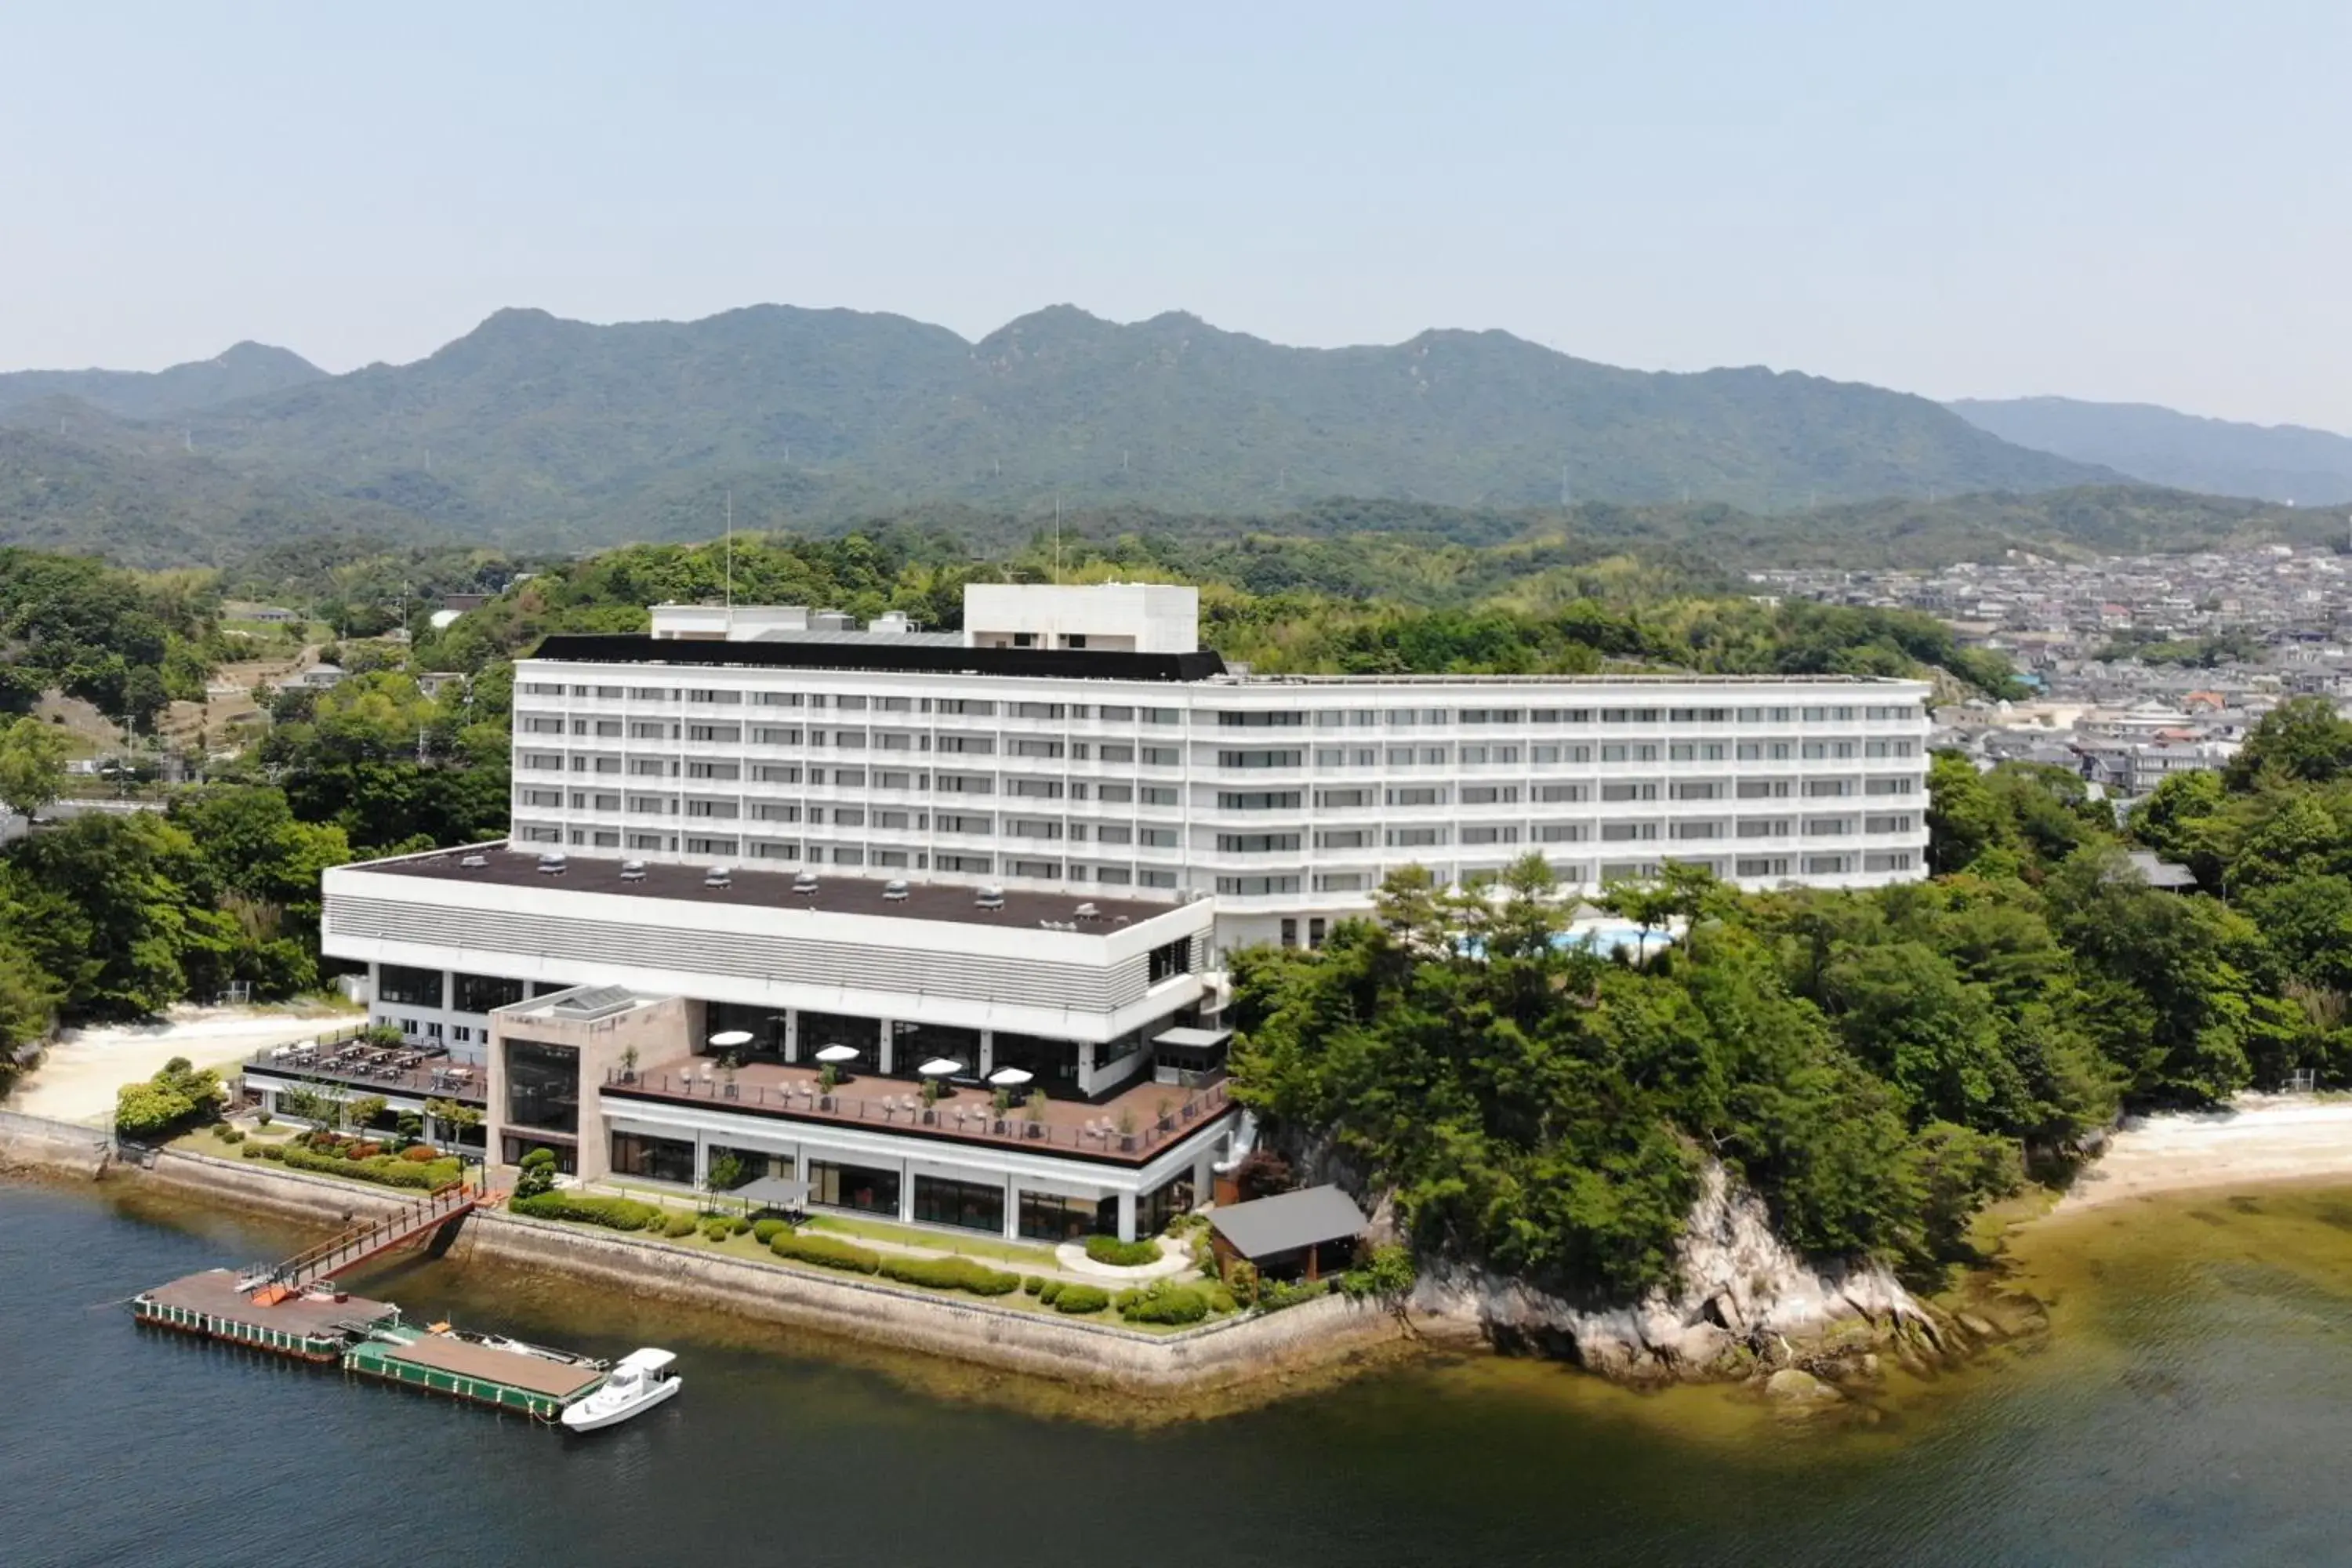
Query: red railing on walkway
{"x": 365, "y": 1240}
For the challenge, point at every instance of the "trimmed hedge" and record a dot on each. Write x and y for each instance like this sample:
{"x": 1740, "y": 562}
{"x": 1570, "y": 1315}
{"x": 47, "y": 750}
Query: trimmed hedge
{"x": 1032, "y": 1284}
{"x": 1111, "y": 1250}
{"x": 385, "y": 1170}
{"x": 1076, "y": 1299}
{"x": 1163, "y": 1303}
{"x": 825, "y": 1252}
{"x": 764, "y": 1231}
{"x": 612, "y": 1213}
{"x": 952, "y": 1274}
{"x": 1049, "y": 1292}
{"x": 677, "y": 1224}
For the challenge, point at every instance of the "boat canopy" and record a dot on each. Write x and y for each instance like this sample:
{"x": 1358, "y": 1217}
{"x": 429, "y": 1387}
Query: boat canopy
{"x": 646, "y": 1361}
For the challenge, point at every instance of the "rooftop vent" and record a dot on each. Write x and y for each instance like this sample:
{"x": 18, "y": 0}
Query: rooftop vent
{"x": 990, "y": 897}
{"x": 719, "y": 877}
{"x": 1088, "y": 912}
{"x": 895, "y": 891}
{"x": 553, "y": 864}
{"x": 633, "y": 870}
{"x": 473, "y": 862}
{"x": 805, "y": 883}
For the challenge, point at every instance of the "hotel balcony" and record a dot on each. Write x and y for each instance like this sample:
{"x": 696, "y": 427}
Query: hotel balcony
{"x": 1089, "y": 1129}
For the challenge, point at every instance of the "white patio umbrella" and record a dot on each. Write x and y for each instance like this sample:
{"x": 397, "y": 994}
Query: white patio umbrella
{"x": 837, "y": 1054}
{"x": 727, "y": 1039}
{"x": 940, "y": 1067}
{"x": 1011, "y": 1078}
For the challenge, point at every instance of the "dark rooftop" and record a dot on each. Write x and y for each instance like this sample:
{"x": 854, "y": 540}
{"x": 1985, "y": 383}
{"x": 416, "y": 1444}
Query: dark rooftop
{"x": 773, "y": 890}
{"x": 883, "y": 653}
{"x": 1288, "y": 1222}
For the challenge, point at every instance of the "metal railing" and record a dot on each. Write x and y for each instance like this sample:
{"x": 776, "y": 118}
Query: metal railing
{"x": 424, "y": 1079}
{"x": 952, "y": 1118}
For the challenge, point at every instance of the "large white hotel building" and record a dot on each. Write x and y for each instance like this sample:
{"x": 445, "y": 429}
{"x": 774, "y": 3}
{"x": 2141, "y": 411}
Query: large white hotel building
{"x": 1024, "y": 847}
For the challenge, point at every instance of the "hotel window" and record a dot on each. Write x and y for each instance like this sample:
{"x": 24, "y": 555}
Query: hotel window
{"x": 1828, "y": 826}
{"x": 549, "y": 797}
{"x": 1762, "y": 789}
{"x": 654, "y": 1159}
{"x": 1158, "y": 716}
{"x": 1764, "y": 827}
{"x": 1114, "y": 793}
{"x": 1160, "y": 757}
{"x": 1266, "y": 758}
{"x": 1155, "y": 795}
{"x": 1259, "y": 800}
{"x": 850, "y": 704}
{"x": 773, "y": 811}
{"x": 543, "y": 762}
{"x": 1887, "y": 825}
{"x": 1773, "y": 865}
{"x": 1629, "y": 791}
{"x": 779, "y": 700}
{"x": 1560, "y": 833}
{"x": 1414, "y": 837}
{"x": 978, "y": 865}
{"x": 1889, "y": 786}
{"x": 1156, "y": 837}
{"x": 1553, "y": 793}
{"x": 712, "y": 808}
{"x": 1256, "y": 843}
{"x": 712, "y": 847}
{"x": 1023, "y": 746}
{"x": 1037, "y": 711}
{"x": 850, "y": 740}
{"x": 542, "y": 1086}
{"x": 1423, "y": 794}
{"x": 714, "y": 732}
{"x": 1695, "y": 830}
{"x": 776, "y": 773}
{"x": 1261, "y": 721}
{"x": 534, "y": 725}
{"x": 1822, "y": 789}
{"x": 412, "y": 987}
{"x": 1042, "y": 870}
{"x": 769, "y": 849}
{"x": 849, "y": 855}
{"x": 1400, "y": 756}
{"x": 976, "y": 707}
{"x": 1711, "y": 789}
{"x": 968, "y": 745}
{"x": 1826, "y": 865}
{"x": 1031, "y": 828}
{"x": 1255, "y": 887}
{"x": 1344, "y": 838}
{"x": 1489, "y": 794}
{"x": 1627, "y": 832}
{"x": 964, "y": 784}
{"x": 843, "y": 778}
{"x": 1116, "y": 713}
{"x": 713, "y": 771}
{"x": 721, "y": 698}
{"x": 1341, "y": 882}
{"x": 1490, "y": 835}
{"x": 1887, "y": 860}
{"x": 1114, "y": 833}
{"x": 1116, "y": 753}
{"x": 849, "y": 817}
{"x": 868, "y": 1189}
{"x": 1035, "y": 789}
{"x": 1342, "y": 799}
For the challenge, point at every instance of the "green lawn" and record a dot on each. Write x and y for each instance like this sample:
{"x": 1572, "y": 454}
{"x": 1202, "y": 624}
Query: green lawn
{"x": 1034, "y": 1256}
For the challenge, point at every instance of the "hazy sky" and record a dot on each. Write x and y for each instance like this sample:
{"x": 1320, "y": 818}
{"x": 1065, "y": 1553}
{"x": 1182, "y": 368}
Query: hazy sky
{"x": 2108, "y": 198}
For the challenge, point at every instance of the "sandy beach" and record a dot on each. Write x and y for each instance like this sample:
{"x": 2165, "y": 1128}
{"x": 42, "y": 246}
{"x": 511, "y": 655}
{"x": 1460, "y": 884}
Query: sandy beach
{"x": 76, "y": 1078}
{"x": 2261, "y": 1138}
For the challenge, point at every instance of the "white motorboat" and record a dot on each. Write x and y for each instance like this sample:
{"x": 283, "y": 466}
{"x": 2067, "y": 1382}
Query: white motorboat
{"x": 639, "y": 1382}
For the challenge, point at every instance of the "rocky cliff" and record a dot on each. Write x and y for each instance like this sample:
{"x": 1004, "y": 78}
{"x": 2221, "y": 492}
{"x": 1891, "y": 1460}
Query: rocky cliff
{"x": 1745, "y": 1306}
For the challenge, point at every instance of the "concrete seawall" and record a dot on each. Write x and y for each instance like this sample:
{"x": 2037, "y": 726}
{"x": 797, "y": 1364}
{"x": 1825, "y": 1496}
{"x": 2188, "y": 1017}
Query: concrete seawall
{"x": 1318, "y": 1335}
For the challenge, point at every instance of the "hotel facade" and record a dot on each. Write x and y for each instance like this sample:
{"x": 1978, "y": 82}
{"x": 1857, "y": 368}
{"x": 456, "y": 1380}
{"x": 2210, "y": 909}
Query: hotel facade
{"x": 1022, "y": 850}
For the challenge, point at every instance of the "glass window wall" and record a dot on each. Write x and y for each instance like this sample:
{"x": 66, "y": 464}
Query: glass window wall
{"x": 482, "y": 993}
{"x": 967, "y": 1206}
{"x": 1154, "y": 1209}
{"x": 409, "y": 987}
{"x": 654, "y": 1159}
{"x": 869, "y": 1189}
{"x": 764, "y": 1024}
{"x": 1044, "y": 1217}
{"x": 514, "y": 1146}
{"x": 542, "y": 1086}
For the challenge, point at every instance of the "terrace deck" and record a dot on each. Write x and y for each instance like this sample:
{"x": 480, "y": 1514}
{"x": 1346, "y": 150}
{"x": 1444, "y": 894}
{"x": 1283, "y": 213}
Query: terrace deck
{"x": 486, "y": 1363}
{"x": 210, "y": 1303}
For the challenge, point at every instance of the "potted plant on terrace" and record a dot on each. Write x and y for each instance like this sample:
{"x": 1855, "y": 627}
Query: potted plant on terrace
{"x": 1167, "y": 1112}
{"x": 1003, "y": 1107}
{"x": 1033, "y": 1112}
{"x": 828, "y": 1078}
{"x": 930, "y": 1100}
{"x": 1127, "y": 1127}
{"x": 629, "y": 1065}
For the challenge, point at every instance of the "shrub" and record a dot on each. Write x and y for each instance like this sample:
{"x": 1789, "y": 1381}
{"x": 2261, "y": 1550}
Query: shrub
{"x": 952, "y": 1274}
{"x": 264, "y": 1119}
{"x": 677, "y": 1224}
{"x": 1220, "y": 1299}
{"x": 1275, "y": 1294}
{"x": 738, "y": 1226}
{"x": 383, "y": 1169}
{"x": 1049, "y": 1292}
{"x": 766, "y": 1230}
{"x": 1164, "y": 1303}
{"x": 255, "y": 1150}
{"x": 612, "y": 1213}
{"x": 231, "y": 1136}
{"x": 1120, "y": 1253}
{"x": 1032, "y": 1284}
{"x": 1385, "y": 1271}
{"x": 825, "y": 1252}
{"x": 420, "y": 1154}
{"x": 271, "y": 1151}
{"x": 1243, "y": 1279}
{"x": 1077, "y": 1299}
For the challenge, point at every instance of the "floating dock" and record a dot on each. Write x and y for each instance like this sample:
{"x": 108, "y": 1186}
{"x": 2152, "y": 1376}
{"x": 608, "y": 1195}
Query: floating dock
{"x": 534, "y": 1382}
{"x": 317, "y": 1325}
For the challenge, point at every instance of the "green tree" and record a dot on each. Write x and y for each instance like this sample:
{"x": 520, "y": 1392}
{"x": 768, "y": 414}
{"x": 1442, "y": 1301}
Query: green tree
{"x": 32, "y": 765}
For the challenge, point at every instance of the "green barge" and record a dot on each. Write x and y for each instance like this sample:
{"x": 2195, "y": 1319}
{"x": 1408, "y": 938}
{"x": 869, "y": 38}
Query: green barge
{"x": 535, "y": 1383}
{"x": 328, "y": 1326}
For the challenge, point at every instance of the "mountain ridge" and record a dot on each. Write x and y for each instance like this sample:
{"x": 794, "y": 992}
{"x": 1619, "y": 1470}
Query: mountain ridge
{"x": 2287, "y": 463}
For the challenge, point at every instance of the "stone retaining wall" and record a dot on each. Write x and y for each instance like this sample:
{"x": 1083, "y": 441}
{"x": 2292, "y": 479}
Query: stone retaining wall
{"x": 52, "y": 1148}
{"x": 1210, "y": 1356}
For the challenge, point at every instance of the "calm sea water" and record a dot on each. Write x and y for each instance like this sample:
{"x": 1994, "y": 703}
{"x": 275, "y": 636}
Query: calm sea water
{"x": 2192, "y": 1404}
